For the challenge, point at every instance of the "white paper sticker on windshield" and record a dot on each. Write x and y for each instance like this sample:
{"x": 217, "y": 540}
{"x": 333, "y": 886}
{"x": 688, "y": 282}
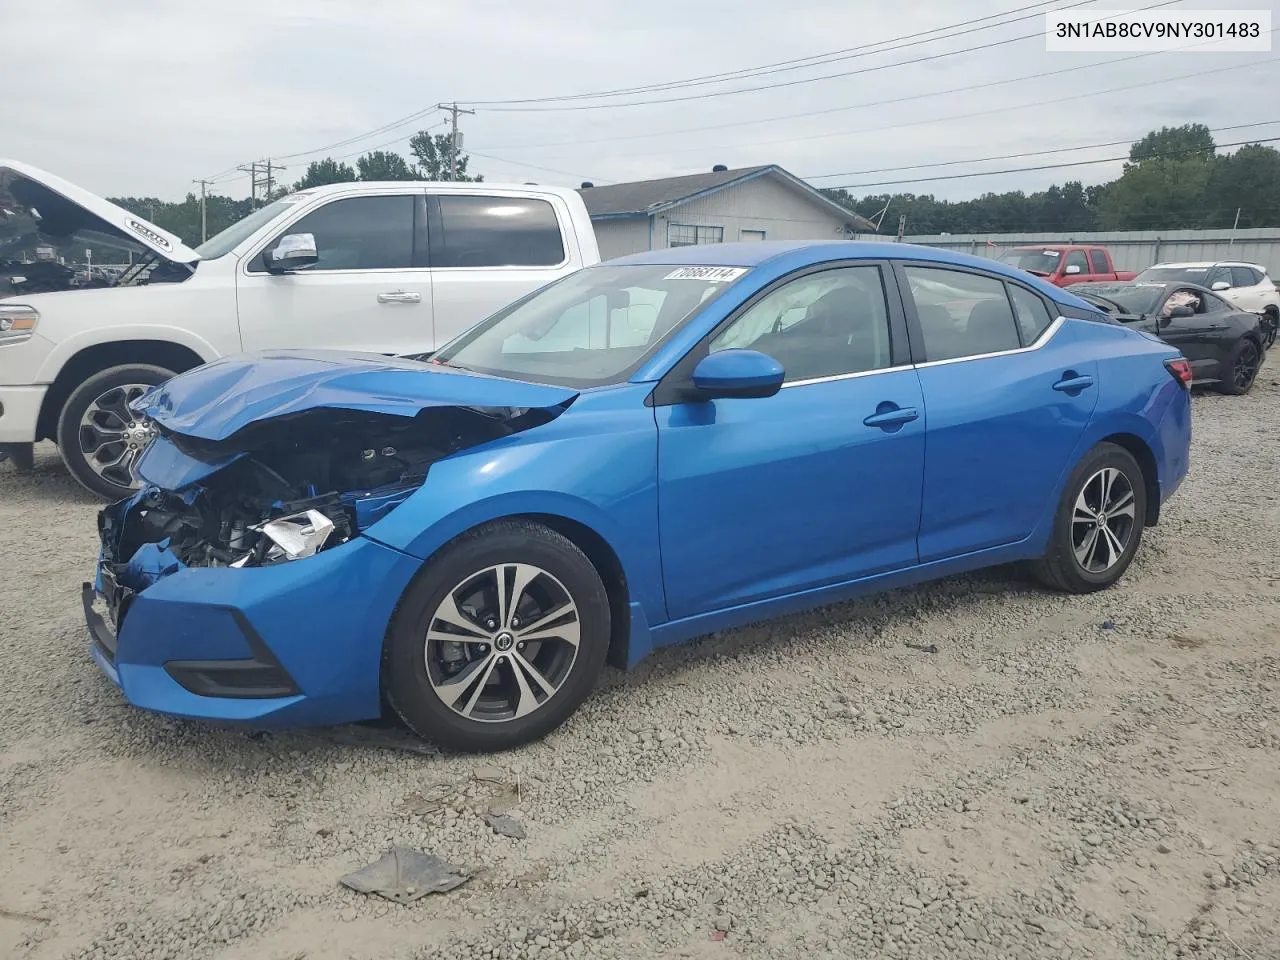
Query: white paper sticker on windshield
{"x": 710, "y": 274}
{"x": 1051, "y": 253}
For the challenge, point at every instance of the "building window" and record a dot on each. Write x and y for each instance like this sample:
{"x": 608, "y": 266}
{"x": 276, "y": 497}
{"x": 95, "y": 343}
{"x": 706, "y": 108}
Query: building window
{"x": 751, "y": 235}
{"x": 686, "y": 235}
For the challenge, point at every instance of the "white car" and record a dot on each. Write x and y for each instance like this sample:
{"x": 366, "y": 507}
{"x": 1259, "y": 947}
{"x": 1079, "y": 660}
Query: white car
{"x": 396, "y": 268}
{"x": 1246, "y": 285}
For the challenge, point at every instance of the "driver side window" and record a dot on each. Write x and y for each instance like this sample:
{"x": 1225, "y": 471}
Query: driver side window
{"x": 358, "y": 233}
{"x": 825, "y": 324}
{"x": 1076, "y": 258}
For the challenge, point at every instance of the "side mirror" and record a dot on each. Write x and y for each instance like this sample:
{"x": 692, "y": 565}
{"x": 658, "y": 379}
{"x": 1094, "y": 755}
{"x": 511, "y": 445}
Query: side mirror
{"x": 737, "y": 374}
{"x": 1072, "y": 269}
{"x": 1220, "y": 285}
{"x": 294, "y": 251}
{"x": 1183, "y": 310}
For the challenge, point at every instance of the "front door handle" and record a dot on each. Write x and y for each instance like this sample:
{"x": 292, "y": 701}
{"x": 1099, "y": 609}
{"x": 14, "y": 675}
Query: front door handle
{"x": 399, "y": 297}
{"x": 1073, "y": 384}
{"x": 893, "y": 417}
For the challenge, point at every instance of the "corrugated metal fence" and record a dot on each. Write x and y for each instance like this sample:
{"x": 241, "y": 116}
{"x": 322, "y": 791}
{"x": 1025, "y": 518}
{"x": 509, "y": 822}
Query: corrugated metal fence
{"x": 1133, "y": 250}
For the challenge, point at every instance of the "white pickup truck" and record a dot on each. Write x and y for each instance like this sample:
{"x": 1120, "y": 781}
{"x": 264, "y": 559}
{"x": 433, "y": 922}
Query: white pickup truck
{"x": 385, "y": 267}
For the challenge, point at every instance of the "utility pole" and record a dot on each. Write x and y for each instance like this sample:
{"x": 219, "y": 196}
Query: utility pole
{"x": 267, "y": 181}
{"x": 453, "y": 110}
{"x": 252, "y": 171}
{"x": 204, "y": 220}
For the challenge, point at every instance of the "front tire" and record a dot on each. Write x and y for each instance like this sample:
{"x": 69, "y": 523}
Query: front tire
{"x": 99, "y": 438}
{"x": 498, "y": 640}
{"x": 1240, "y": 369}
{"x": 1098, "y": 525}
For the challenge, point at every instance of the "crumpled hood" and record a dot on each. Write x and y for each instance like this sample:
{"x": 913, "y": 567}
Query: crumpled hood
{"x": 217, "y": 400}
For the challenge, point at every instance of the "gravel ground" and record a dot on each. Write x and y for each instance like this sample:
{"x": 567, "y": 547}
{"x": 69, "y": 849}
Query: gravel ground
{"x": 1065, "y": 777}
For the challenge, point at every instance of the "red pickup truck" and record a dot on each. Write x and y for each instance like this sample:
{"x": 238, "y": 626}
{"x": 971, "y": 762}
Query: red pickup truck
{"x": 1067, "y": 263}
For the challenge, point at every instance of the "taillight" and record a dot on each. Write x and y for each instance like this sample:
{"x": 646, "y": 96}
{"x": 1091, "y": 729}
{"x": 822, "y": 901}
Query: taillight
{"x": 1181, "y": 371}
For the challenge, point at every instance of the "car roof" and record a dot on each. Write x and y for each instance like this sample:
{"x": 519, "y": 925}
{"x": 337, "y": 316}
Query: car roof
{"x": 435, "y": 186}
{"x": 797, "y": 254}
{"x": 1205, "y": 264}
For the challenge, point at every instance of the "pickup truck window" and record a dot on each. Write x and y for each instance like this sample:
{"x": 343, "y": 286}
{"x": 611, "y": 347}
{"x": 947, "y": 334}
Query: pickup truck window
{"x": 1033, "y": 261}
{"x": 223, "y": 242}
{"x": 1076, "y": 258}
{"x": 496, "y": 232}
{"x": 360, "y": 233}
{"x": 1098, "y": 259}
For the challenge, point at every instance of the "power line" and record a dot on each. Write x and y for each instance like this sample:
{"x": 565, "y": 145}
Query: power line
{"x": 531, "y": 166}
{"x": 804, "y": 80}
{"x": 409, "y": 118}
{"x": 960, "y": 116}
{"x": 800, "y": 63}
{"x": 1046, "y": 166}
{"x": 829, "y": 110}
{"x": 1017, "y": 156}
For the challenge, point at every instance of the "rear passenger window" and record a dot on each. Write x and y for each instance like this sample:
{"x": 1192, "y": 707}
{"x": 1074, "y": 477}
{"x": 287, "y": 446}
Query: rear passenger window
{"x": 1244, "y": 277}
{"x": 496, "y": 232}
{"x": 1032, "y": 315}
{"x": 961, "y": 314}
{"x": 1098, "y": 260}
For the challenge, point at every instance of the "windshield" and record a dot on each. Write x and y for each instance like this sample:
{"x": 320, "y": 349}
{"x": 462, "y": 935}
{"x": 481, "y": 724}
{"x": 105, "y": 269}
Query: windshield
{"x": 1134, "y": 298}
{"x": 590, "y": 329}
{"x": 223, "y": 243}
{"x": 1175, "y": 274}
{"x": 1033, "y": 261}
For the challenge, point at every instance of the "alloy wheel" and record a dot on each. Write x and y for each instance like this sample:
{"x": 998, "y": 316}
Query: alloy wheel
{"x": 502, "y": 643}
{"x": 112, "y": 437}
{"x": 1246, "y": 366}
{"x": 1103, "y": 521}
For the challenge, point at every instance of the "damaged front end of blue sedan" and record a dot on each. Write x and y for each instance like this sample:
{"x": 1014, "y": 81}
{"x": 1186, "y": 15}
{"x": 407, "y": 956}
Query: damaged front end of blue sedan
{"x": 199, "y": 607}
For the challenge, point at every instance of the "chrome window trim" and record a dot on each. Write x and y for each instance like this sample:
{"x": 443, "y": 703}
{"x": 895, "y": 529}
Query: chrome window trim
{"x": 1048, "y": 334}
{"x": 846, "y": 376}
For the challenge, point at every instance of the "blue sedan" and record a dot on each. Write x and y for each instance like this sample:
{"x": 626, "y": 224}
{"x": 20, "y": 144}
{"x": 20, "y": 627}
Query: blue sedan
{"x": 655, "y": 448}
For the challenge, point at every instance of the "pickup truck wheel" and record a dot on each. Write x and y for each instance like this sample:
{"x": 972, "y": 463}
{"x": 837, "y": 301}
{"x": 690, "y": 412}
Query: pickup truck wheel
{"x": 99, "y": 437}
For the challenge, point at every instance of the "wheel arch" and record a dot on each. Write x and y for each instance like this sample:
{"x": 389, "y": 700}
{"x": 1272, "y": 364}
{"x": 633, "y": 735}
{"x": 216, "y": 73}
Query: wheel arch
{"x": 1142, "y": 452}
{"x": 100, "y": 356}
{"x": 598, "y": 550}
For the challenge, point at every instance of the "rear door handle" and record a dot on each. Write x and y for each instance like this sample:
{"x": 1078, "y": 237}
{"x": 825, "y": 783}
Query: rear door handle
{"x": 892, "y": 418}
{"x": 1068, "y": 384}
{"x": 399, "y": 297}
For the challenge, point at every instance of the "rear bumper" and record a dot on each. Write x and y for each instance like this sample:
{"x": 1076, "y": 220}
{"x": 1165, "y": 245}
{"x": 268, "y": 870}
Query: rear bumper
{"x": 289, "y": 645}
{"x": 19, "y": 412}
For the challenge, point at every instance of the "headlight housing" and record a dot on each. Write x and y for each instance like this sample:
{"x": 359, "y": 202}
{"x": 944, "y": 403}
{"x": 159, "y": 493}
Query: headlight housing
{"x": 17, "y": 322}
{"x": 294, "y": 537}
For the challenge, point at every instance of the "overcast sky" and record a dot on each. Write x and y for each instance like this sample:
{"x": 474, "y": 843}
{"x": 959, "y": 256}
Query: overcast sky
{"x": 140, "y": 97}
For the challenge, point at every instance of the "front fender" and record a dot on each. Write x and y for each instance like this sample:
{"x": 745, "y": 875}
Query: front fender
{"x": 595, "y": 465}
{"x": 66, "y": 348}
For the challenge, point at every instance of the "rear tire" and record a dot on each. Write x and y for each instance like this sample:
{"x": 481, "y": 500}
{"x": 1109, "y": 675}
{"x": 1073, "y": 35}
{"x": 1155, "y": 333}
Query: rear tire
{"x": 502, "y": 683}
{"x": 1240, "y": 369}
{"x": 1098, "y": 525}
{"x": 99, "y": 439}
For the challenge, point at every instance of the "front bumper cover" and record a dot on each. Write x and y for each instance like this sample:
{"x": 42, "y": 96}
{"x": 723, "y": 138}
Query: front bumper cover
{"x": 290, "y": 644}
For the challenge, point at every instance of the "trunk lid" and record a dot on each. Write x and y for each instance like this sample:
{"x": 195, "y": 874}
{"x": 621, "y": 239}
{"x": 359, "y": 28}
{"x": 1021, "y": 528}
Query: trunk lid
{"x": 217, "y": 400}
{"x": 37, "y": 205}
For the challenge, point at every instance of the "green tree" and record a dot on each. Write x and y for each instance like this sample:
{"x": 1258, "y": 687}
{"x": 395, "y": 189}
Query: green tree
{"x": 385, "y": 165}
{"x": 1189, "y": 141}
{"x": 1160, "y": 193}
{"x": 433, "y": 152}
{"x": 328, "y": 170}
{"x": 1249, "y": 181}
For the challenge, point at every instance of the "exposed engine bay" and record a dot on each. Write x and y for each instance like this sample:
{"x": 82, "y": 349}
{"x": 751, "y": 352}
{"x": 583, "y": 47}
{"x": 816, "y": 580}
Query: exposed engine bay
{"x": 287, "y": 488}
